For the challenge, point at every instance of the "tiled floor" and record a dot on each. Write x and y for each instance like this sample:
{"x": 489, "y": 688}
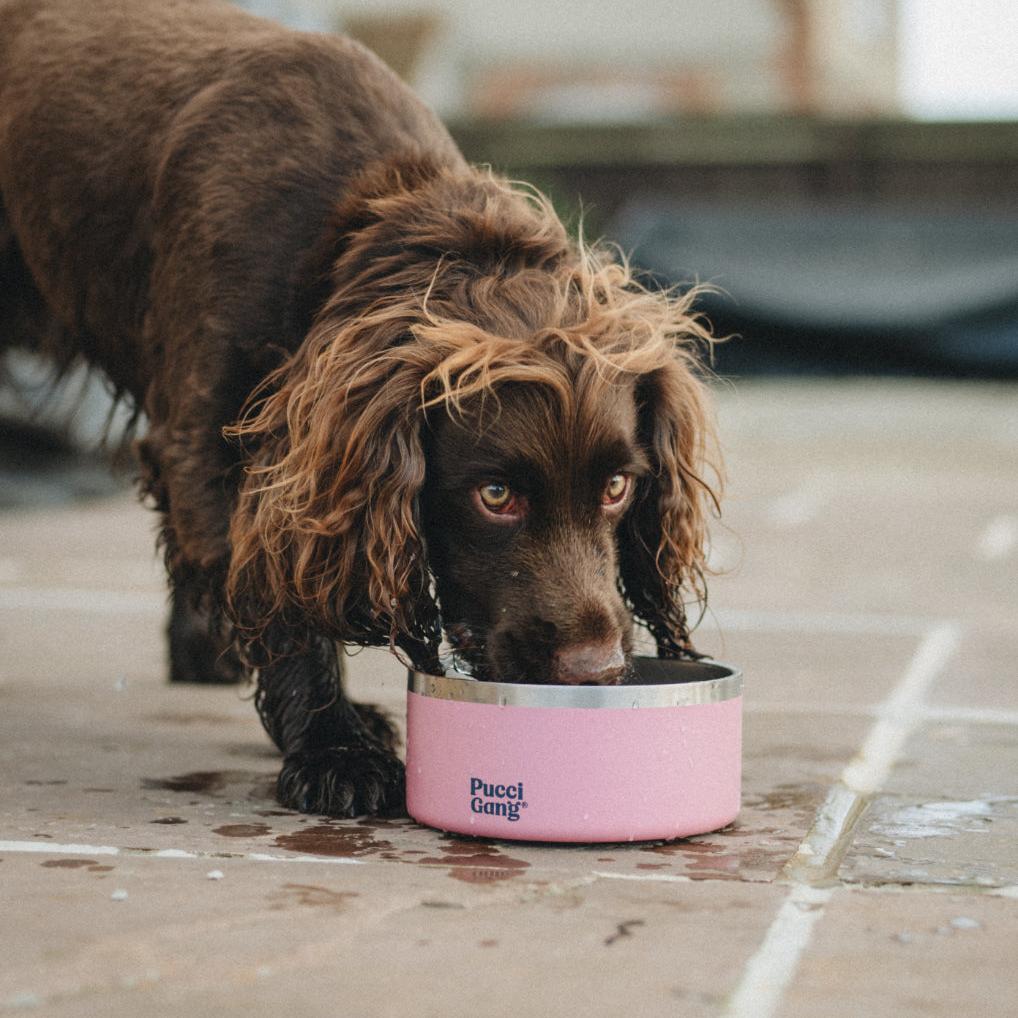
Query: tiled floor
{"x": 870, "y": 558}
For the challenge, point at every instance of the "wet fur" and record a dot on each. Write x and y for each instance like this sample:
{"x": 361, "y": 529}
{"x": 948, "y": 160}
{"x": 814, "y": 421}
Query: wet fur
{"x": 337, "y": 329}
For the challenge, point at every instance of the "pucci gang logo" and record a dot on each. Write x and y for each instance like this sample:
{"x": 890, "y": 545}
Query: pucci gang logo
{"x": 497, "y": 800}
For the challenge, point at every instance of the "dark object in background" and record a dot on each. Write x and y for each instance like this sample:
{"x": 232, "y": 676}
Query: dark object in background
{"x": 843, "y": 289}
{"x": 41, "y": 467}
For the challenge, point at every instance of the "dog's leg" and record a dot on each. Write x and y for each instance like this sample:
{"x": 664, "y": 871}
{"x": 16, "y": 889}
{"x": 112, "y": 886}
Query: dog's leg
{"x": 199, "y": 647}
{"x": 338, "y": 756}
{"x": 25, "y": 320}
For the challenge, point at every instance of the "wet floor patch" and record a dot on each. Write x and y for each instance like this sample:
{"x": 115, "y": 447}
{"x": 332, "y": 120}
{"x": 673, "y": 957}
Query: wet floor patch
{"x": 251, "y": 785}
{"x": 310, "y": 896}
{"x": 89, "y": 865}
{"x": 476, "y": 862}
{"x": 190, "y": 718}
{"x": 199, "y": 782}
{"x": 904, "y": 840}
{"x": 336, "y": 839}
{"x": 799, "y": 800}
{"x": 623, "y": 930}
{"x": 472, "y": 861}
{"x": 242, "y": 830}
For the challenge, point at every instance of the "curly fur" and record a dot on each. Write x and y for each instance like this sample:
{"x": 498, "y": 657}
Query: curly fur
{"x": 337, "y": 329}
{"x": 453, "y": 286}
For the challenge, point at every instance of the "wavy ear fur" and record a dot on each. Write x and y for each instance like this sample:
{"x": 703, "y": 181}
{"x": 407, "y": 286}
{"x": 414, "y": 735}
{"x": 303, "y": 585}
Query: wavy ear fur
{"x": 326, "y": 533}
{"x": 662, "y": 540}
{"x": 447, "y": 283}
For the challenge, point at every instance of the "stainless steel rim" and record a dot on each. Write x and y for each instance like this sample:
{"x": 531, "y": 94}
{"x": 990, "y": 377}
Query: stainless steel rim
{"x": 703, "y": 682}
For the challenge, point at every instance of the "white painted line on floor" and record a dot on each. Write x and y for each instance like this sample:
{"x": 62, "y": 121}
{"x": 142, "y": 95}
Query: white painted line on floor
{"x": 52, "y": 848}
{"x": 852, "y": 623}
{"x": 49, "y": 848}
{"x": 972, "y": 715}
{"x": 899, "y": 713}
{"x": 148, "y": 602}
{"x": 896, "y": 718}
{"x": 770, "y": 970}
{"x": 330, "y": 859}
{"x": 661, "y": 878}
{"x": 949, "y": 713}
{"x": 999, "y": 538}
{"x": 95, "y": 602}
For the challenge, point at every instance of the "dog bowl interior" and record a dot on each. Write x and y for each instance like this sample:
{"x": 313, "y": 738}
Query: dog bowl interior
{"x": 656, "y": 757}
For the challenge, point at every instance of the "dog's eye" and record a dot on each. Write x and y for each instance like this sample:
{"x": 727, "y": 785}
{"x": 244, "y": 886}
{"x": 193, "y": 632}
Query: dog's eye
{"x": 616, "y": 489}
{"x": 496, "y": 497}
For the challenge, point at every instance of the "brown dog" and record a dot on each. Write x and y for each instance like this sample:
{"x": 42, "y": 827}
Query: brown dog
{"x": 387, "y": 397}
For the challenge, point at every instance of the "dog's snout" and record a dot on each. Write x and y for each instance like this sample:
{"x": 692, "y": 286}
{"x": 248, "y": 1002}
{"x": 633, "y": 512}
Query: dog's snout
{"x": 598, "y": 663}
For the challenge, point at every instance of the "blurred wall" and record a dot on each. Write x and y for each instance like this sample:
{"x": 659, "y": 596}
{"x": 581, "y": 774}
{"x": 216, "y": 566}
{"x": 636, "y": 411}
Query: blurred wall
{"x": 574, "y": 60}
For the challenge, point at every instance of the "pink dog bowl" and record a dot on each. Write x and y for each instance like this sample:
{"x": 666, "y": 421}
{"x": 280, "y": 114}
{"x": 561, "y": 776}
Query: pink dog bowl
{"x": 660, "y": 757}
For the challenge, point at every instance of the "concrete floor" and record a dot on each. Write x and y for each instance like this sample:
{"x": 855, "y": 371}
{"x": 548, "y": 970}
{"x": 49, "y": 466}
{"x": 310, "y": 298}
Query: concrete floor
{"x": 869, "y": 565}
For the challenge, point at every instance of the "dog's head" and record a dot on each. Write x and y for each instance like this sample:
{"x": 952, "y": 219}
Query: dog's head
{"x": 490, "y": 432}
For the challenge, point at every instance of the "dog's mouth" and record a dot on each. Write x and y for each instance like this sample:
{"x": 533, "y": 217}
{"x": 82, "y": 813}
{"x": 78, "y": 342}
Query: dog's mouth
{"x": 466, "y": 654}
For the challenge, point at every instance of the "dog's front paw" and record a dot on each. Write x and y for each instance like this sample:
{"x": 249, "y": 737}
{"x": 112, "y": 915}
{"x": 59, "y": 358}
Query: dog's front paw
{"x": 343, "y": 782}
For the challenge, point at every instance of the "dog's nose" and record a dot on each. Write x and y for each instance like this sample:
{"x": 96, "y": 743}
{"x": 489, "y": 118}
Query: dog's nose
{"x": 601, "y": 664}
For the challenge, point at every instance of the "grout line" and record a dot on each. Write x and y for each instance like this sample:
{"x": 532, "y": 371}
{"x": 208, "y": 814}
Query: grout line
{"x": 95, "y": 602}
{"x": 972, "y": 715}
{"x": 817, "y": 858}
{"x": 10, "y": 570}
{"x": 851, "y": 623}
{"x": 771, "y": 969}
{"x": 661, "y": 878}
{"x": 50, "y": 848}
{"x": 915, "y": 887}
{"x": 967, "y": 715}
{"x": 145, "y": 602}
{"x": 998, "y": 539}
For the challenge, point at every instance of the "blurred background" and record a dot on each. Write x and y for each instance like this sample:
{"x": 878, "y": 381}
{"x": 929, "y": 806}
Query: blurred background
{"x": 843, "y": 172}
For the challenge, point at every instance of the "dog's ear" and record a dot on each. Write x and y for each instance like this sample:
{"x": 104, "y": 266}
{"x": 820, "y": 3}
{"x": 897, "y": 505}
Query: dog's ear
{"x": 661, "y": 540}
{"x": 327, "y": 533}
